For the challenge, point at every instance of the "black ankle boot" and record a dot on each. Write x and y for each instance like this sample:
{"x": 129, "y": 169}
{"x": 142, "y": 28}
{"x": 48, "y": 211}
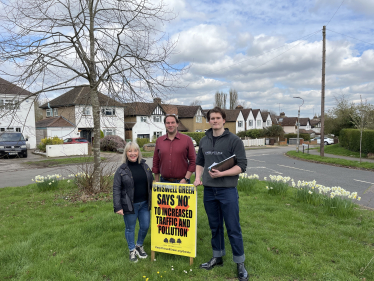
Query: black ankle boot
{"x": 242, "y": 272}
{"x": 212, "y": 263}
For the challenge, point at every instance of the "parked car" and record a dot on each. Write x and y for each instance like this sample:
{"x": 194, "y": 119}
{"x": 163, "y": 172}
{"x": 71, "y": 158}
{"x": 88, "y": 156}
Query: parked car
{"x": 75, "y": 140}
{"x": 327, "y": 140}
{"x": 194, "y": 142}
{"x": 12, "y": 143}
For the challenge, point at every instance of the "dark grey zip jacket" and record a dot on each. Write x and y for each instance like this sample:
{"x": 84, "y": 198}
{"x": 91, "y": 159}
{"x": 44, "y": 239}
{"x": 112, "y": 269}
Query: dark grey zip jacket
{"x": 226, "y": 145}
{"x": 123, "y": 188}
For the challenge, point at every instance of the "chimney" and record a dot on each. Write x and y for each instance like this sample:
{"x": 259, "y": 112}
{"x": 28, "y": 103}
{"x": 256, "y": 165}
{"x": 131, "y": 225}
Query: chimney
{"x": 157, "y": 100}
{"x": 282, "y": 114}
{"x": 239, "y": 107}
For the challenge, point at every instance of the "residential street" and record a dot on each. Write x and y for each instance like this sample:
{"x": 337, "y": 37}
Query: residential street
{"x": 264, "y": 162}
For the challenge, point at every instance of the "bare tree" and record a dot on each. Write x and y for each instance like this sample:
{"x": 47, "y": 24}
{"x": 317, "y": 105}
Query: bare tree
{"x": 115, "y": 47}
{"x": 233, "y": 98}
{"x": 195, "y": 102}
{"x": 220, "y": 99}
{"x": 362, "y": 118}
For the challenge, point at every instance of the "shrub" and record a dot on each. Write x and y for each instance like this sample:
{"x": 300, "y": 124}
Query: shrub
{"x": 273, "y": 131}
{"x": 197, "y": 136}
{"x": 306, "y": 137}
{"x": 142, "y": 142}
{"x": 350, "y": 139}
{"x": 253, "y": 134}
{"x": 49, "y": 141}
{"x": 101, "y": 134}
{"x": 111, "y": 143}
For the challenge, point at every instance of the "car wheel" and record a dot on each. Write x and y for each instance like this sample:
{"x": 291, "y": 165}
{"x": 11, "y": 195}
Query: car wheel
{"x": 25, "y": 155}
{"x": 326, "y": 143}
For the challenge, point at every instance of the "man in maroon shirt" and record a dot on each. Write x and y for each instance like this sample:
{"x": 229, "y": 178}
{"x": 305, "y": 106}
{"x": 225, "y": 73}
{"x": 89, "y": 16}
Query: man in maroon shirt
{"x": 175, "y": 156}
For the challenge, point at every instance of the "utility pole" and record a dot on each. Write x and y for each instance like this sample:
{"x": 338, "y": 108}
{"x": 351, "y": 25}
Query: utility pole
{"x": 298, "y": 123}
{"x": 322, "y": 142}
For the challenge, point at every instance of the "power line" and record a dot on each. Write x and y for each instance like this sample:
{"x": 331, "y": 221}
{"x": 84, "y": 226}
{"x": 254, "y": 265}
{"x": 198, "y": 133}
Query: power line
{"x": 351, "y": 37}
{"x": 335, "y": 12}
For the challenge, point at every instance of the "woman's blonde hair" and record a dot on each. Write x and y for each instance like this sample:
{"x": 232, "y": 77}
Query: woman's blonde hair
{"x": 131, "y": 145}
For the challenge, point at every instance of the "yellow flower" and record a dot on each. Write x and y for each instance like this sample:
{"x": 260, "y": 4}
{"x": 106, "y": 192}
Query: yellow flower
{"x": 158, "y": 272}
{"x": 359, "y": 198}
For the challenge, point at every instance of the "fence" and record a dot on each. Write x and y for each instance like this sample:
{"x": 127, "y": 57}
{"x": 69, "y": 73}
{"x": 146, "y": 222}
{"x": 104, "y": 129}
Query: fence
{"x": 58, "y": 150}
{"x": 254, "y": 142}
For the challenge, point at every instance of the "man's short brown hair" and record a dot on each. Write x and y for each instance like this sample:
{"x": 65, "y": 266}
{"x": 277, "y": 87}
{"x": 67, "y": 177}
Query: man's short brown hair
{"x": 171, "y": 115}
{"x": 216, "y": 110}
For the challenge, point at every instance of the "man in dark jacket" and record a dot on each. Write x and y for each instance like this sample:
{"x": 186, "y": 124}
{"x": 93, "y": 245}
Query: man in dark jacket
{"x": 220, "y": 193}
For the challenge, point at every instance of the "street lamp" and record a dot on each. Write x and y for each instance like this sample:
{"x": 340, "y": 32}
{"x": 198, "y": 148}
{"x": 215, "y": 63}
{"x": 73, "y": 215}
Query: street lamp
{"x": 298, "y": 123}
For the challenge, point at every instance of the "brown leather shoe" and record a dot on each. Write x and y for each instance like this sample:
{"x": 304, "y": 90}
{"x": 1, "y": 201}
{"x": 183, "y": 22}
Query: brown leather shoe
{"x": 212, "y": 263}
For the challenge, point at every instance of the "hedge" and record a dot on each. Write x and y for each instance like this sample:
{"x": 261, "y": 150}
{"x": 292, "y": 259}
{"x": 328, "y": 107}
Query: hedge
{"x": 350, "y": 139}
{"x": 306, "y": 137}
{"x": 253, "y": 134}
{"x": 197, "y": 136}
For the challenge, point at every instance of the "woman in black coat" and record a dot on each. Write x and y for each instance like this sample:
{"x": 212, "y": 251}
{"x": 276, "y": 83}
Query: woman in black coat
{"x": 132, "y": 197}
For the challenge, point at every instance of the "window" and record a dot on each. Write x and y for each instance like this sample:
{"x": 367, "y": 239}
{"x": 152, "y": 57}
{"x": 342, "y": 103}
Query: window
{"x": 109, "y": 132}
{"x": 250, "y": 123}
{"x": 157, "y": 119}
{"x": 86, "y": 111}
{"x": 268, "y": 122}
{"x": 240, "y": 124}
{"x": 49, "y": 112}
{"x": 143, "y": 136}
{"x": 109, "y": 111}
{"x": 258, "y": 123}
{"x": 55, "y": 112}
{"x": 199, "y": 131}
{"x": 157, "y": 134}
{"x": 199, "y": 119}
{"x": 18, "y": 130}
{"x": 2, "y": 129}
{"x": 9, "y": 104}
{"x": 143, "y": 118}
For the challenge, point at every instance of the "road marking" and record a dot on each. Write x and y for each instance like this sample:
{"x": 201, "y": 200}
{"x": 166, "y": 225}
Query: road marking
{"x": 264, "y": 154}
{"x": 364, "y": 181}
{"x": 296, "y": 168}
{"x": 264, "y": 168}
{"x": 255, "y": 160}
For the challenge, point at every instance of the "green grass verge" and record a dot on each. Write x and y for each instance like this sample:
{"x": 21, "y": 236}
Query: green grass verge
{"x": 336, "y": 149}
{"x": 329, "y": 160}
{"x": 63, "y": 161}
{"x": 146, "y": 154}
{"x": 48, "y": 236}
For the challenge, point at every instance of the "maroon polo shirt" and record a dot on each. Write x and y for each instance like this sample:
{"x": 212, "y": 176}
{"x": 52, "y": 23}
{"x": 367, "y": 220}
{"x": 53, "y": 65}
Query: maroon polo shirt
{"x": 172, "y": 159}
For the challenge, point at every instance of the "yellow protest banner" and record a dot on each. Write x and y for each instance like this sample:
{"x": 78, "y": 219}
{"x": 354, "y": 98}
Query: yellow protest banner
{"x": 174, "y": 218}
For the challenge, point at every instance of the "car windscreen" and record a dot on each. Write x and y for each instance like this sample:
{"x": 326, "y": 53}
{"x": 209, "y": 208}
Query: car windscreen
{"x": 11, "y": 137}
{"x": 81, "y": 140}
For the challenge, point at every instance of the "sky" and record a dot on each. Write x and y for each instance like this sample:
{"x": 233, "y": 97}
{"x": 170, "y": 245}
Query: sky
{"x": 271, "y": 51}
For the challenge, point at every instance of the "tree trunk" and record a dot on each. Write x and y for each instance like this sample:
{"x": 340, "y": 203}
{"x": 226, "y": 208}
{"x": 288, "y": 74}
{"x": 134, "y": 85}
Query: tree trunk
{"x": 95, "y": 102}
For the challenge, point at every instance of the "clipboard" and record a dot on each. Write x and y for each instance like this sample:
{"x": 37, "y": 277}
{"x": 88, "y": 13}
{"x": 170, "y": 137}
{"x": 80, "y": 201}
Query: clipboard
{"x": 224, "y": 165}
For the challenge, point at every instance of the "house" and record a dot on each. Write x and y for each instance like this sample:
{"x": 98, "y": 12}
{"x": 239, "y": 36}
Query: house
{"x": 145, "y": 120}
{"x": 305, "y": 124}
{"x": 235, "y": 120}
{"x": 315, "y": 124}
{"x": 258, "y": 119}
{"x": 55, "y": 126}
{"x": 75, "y": 106}
{"x": 289, "y": 124}
{"x": 17, "y": 111}
{"x": 249, "y": 119}
{"x": 266, "y": 119}
{"x": 192, "y": 118}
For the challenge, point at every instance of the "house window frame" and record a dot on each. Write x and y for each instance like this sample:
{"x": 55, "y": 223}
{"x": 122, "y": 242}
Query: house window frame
{"x": 268, "y": 122}
{"x": 199, "y": 119}
{"x": 240, "y": 124}
{"x": 156, "y": 118}
{"x": 86, "y": 111}
{"x": 258, "y": 123}
{"x": 108, "y": 111}
{"x": 111, "y": 130}
{"x": 250, "y": 123}
{"x": 49, "y": 112}
{"x": 55, "y": 112}
{"x": 157, "y": 134}
{"x": 143, "y": 119}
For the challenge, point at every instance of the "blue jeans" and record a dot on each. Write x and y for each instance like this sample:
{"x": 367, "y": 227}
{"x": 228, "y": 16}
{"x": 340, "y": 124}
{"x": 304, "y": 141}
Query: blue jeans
{"x": 222, "y": 204}
{"x": 142, "y": 214}
{"x": 176, "y": 181}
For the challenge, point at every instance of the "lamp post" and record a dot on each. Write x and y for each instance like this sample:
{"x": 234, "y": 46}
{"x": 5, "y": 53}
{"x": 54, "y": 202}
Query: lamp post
{"x": 298, "y": 123}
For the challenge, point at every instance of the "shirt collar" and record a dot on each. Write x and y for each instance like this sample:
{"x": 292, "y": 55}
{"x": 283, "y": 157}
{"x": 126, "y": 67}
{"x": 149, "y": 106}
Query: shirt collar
{"x": 177, "y": 136}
